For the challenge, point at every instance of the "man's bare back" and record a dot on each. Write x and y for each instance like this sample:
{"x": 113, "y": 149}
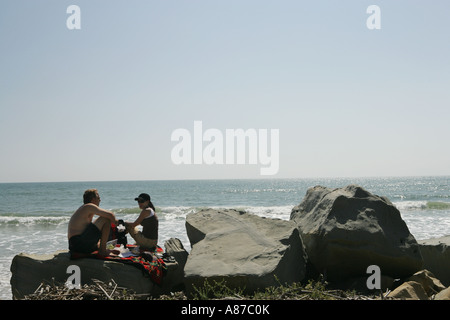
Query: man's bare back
{"x": 81, "y": 219}
{"x": 81, "y": 222}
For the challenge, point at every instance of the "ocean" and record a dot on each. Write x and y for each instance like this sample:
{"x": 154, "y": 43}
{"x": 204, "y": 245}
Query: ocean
{"x": 34, "y": 216}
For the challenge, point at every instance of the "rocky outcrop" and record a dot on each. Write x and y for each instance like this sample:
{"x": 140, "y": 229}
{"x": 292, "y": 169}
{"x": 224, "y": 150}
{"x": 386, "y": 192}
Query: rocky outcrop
{"x": 29, "y": 271}
{"x": 423, "y": 285}
{"x": 409, "y": 290}
{"x": 244, "y": 250}
{"x": 345, "y": 230}
{"x": 428, "y": 281}
{"x": 436, "y": 257}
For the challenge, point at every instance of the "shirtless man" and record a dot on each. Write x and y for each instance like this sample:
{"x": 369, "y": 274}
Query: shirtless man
{"x": 83, "y": 235}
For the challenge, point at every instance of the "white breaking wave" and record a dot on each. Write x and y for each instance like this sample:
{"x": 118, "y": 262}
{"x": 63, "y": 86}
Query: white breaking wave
{"x": 32, "y": 220}
{"x": 410, "y": 205}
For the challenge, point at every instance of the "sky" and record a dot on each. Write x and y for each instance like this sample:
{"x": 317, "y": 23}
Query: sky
{"x": 101, "y": 103}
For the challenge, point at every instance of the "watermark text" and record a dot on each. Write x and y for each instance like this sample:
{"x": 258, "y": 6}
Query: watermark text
{"x": 235, "y": 146}
{"x": 373, "y": 281}
{"x": 74, "y": 280}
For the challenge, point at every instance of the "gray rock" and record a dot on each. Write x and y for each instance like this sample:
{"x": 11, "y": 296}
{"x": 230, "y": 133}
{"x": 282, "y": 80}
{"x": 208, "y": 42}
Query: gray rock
{"x": 436, "y": 257}
{"x": 443, "y": 295}
{"x": 428, "y": 281}
{"x": 175, "y": 248}
{"x": 345, "y": 230}
{"x": 30, "y": 270}
{"x": 422, "y": 285}
{"x": 245, "y": 250}
{"x": 410, "y": 290}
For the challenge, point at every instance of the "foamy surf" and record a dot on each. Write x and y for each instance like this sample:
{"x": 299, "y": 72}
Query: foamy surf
{"x": 422, "y": 205}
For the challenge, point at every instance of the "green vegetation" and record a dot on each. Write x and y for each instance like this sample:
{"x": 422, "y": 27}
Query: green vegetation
{"x": 312, "y": 290}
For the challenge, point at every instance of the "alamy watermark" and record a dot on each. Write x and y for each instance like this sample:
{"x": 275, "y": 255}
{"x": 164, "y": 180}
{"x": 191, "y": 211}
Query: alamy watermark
{"x": 74, "y": 280}
{"x": 234, "y": 146}
{"x": 374, "y": 20}
{"x": 73, "y": 22}
{"x": 373, "y": 281}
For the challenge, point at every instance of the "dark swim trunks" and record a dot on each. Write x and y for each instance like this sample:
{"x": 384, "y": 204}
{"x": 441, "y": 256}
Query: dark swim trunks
{"x": 87, "y": 241}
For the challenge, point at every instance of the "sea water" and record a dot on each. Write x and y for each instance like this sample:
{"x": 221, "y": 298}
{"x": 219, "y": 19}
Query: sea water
{"x": 34, "y": 216}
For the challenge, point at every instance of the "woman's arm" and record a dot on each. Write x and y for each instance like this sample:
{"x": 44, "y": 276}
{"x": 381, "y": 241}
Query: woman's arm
{"x": 144, "y": 214}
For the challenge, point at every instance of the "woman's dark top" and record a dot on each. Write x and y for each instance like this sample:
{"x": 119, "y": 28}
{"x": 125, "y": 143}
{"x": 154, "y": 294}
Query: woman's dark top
{"x": 150, "y": 227}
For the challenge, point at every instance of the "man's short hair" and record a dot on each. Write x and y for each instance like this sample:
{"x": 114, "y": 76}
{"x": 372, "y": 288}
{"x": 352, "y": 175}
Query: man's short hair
{"x": 89, "y": 195}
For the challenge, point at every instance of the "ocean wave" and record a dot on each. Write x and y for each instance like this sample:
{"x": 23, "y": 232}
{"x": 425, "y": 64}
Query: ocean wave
{"x": 274, "y": 212}
{"x": 32, "y": 220}
{"x": 135, "y": 210}
{"x": 261, "y": 190}
{"x": 180, "y": 212}
{"x": 438, "y": 205}
{"x": 422, "y": 205}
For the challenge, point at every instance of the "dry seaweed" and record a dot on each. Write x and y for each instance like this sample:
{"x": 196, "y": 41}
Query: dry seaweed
{"x": 97, "y": 290}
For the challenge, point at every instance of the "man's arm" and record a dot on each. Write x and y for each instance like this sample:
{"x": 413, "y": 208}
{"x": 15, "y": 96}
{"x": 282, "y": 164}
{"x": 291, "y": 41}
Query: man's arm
{"x": 105, "y": 213}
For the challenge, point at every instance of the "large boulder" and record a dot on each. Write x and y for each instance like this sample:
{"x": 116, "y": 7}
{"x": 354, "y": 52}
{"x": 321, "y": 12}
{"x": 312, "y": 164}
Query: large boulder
{"x": 30, "y": 270}
{"x": 244, "y": 250}
{"x": 345, "y": 230}
{"x": 436, "y": 257}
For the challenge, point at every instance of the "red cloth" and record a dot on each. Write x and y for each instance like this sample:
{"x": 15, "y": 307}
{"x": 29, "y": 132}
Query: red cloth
{"x": 147, "y": 261}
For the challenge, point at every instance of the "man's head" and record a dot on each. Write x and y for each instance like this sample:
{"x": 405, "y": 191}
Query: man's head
{"x": 91, "y": 196}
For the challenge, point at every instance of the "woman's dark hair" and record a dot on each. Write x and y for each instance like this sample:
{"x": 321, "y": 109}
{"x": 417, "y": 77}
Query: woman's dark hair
{"x": 150, "y": 204}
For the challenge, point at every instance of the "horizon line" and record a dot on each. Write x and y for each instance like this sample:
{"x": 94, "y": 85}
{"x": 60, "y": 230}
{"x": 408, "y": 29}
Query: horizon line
{"x": 230, "y": 179}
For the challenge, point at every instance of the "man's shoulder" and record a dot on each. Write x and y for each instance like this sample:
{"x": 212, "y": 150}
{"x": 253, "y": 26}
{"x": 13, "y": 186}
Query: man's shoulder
{"x": 88, "y": 207}
{"x": 90, "y": 204}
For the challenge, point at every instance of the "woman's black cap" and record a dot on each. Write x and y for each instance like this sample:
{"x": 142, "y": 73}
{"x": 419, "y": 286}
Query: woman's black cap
{"x": 143, "y": 197}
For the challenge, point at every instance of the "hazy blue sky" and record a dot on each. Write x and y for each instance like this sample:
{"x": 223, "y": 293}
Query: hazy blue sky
{"x": 101, "y": 103}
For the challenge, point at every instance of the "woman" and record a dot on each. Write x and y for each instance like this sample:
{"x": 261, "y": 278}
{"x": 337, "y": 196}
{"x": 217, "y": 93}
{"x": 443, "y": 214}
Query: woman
{"x": 148, "y": 238}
